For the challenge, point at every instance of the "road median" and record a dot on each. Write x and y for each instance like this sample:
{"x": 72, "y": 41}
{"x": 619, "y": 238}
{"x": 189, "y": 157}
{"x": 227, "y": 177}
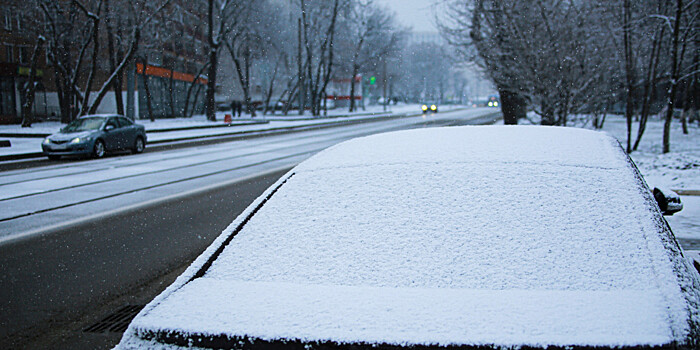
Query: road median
{"x": 205, "y": 134}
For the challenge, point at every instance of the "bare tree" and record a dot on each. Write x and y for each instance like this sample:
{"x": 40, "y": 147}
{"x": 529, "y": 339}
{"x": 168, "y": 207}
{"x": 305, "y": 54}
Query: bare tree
{"x": 69, "y": 35}
{"x": 318, "y": 20}
{"x": 372, "y": 35}
{"x": 63, "y": 31}
{"x": 246, "y": 40}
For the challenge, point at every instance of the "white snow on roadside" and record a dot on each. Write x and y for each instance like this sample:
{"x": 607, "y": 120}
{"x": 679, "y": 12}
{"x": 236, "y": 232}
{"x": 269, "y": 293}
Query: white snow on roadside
{"x": 468, "y": 235}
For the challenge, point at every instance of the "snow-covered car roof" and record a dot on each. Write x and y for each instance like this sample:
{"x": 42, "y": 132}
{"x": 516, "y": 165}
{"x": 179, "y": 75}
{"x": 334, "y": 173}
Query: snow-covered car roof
{"x": 477, "y": 236}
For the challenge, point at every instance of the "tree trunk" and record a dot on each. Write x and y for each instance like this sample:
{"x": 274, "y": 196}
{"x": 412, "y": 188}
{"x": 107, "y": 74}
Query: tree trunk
{"x": 329, "y": 67}
{"x": 196, "y": 97}
{"x": 149, "y": 104}
{"x": 210, "y": 101}
{"x": 211, "y": 86}
{"x": 271, "y": 89}
{"x": 355, "y": 70}
{"x": 114, "y": 57}
{"x": 629, "y": 74}
{"x": 674, "y": 78}
{"x": 513, "y": 107}
{"x": 171, "y": 84}
{"x": 548, "y": 113}
{"x": 300, "y": 82}
{"x": 595, "y": 121}
{"x": 189, "y": 92}
{"x": 27, "y": 115}
{"x": 248, "y": 99}
{"x": 649, "y": 87}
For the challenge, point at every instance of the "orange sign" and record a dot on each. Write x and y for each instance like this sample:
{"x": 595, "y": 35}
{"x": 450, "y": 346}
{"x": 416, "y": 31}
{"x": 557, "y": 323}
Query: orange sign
{"x": 167, "y": 73}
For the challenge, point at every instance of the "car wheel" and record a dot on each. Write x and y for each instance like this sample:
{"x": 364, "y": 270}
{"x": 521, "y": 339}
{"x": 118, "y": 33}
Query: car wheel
{"x": 139, "y": 145}
{"x": 54, "y": 157}
{"x": 98, "y": 151}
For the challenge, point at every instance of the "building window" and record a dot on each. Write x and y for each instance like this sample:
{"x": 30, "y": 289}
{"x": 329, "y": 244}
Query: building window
{"x": 23, "y": 54}
{"x": 8, "y": 20}
{"x": 9, "y": 53}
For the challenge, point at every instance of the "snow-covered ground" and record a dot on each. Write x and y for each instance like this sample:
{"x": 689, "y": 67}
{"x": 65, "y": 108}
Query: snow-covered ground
{"x": 677, "y": 170}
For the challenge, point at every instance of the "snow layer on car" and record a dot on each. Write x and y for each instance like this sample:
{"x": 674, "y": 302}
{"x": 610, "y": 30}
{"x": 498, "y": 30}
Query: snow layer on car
{"x": 470, "y": 235}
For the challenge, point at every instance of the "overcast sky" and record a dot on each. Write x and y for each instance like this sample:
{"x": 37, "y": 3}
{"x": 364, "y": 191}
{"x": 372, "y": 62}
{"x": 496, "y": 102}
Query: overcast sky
{"x": 416, "y": 14}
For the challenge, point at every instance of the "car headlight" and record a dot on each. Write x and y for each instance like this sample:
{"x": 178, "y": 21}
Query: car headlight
{"x": 80, "y": 139}
{"x": 495, "y": 104}
{"x": 425, "y": 108}
{"x": 47, "y": 141}
{"x": 490, "y": 104}
{"x": 433, "y": 107}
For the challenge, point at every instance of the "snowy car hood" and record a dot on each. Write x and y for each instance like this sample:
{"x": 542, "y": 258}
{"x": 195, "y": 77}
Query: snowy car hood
{"x": 486, "y": 236}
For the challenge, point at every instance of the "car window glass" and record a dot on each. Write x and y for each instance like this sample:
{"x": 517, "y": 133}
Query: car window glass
{"x": 113, "y": 122}
{"x": 123, "y": 122}
{"x": 83, "y": 124}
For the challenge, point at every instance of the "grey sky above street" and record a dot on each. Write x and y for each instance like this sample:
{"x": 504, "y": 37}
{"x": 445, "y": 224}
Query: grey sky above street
{"x": 415, "y": 14}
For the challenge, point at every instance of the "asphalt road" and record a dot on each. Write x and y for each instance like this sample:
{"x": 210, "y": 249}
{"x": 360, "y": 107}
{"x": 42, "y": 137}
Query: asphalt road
{"x": 55, "y": 283}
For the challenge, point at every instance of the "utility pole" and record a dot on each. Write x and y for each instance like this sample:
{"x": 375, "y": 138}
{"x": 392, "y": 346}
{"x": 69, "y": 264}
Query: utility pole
{"x": 384, "y": 85}
{"x": 130, "y": 95}
{"x": 302, "y": 90}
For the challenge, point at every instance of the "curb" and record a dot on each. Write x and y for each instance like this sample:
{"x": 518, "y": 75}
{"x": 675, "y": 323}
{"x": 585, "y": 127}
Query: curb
{"x": 198, "y": 127}
{"x": 687, "y": 192}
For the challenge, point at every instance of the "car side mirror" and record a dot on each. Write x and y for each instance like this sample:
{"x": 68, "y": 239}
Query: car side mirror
{"x": 109, "y": 127}
{"x": 669, "y": 202}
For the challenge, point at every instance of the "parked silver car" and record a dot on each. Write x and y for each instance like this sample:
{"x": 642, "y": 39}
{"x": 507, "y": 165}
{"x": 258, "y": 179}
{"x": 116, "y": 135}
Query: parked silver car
{"x": 447, "y": 238}
{"x": 95, "y": 135}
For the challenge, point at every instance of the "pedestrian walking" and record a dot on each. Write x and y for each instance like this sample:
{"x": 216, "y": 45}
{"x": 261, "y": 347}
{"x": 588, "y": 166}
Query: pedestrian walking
{"x": 239, "y": 107}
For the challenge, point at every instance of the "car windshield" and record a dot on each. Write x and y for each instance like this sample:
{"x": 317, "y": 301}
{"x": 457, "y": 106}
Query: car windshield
{"x": 83, "y": 124}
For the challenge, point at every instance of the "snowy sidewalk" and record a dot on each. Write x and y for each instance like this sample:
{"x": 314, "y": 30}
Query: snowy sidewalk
{"x": 26, "y": 142}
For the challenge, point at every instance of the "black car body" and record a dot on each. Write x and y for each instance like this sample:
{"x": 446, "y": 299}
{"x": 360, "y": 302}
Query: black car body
{"x": 484, "y": 237}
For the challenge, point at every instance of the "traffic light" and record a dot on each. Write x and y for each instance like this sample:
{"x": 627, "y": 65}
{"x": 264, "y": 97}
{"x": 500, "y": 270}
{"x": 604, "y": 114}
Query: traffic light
{"x": 372, "y": 80}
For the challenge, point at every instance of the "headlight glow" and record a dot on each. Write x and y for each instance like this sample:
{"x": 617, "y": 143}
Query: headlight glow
{"x": 433, "y": 107}
{"x": 425, "y": 108}
{"x": 495, "y": 104}
{"x": 490, "y": 104}
{"x": 47, "y": 141}
{"x": 77, "y": 140}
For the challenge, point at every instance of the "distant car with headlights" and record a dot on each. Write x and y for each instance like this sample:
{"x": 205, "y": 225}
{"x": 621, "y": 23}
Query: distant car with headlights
{"x": 95, "y": 135}
{"x": 493, "y": 101}
{"x": 472, "y": 237}
{"x": 429, "y": 107}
